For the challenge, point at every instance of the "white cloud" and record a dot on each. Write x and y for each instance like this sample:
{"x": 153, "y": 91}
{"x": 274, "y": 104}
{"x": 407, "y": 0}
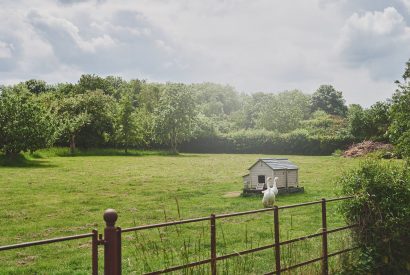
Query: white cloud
{"x": 259, "y": 45}
{"x": 5, "y": 50}
{"x": 378, "y": 41}
{"x": 62, "y": 27}
{"x": 406, "y": 3}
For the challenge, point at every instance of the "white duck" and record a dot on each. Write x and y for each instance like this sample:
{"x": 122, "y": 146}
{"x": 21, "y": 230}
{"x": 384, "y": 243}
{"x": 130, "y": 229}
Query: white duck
{"x": 270, "y": 193}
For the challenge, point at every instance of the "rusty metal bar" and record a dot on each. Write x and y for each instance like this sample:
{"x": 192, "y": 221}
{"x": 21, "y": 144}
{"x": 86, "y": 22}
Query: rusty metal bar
{"x": 299, "y": 204}
{"x": 175, "y": 268}
{"x": 341, "y": 198}
{"x": 256, "y": 249}
{"x": 313, "y": 260}
{"x": 342, "y": 251}
{"x": 213, "y": 244}
{"x": 55, "y": 240}
{"x": 277, "y": 238}
{"x": 244, "y": 252}
{"x": 142, "y": 227}
{"x": 341, "y": 228}
{"x": 94, "y": 252}
{"x": 295, "y": 266}
{"x": 227, "y": 215}
{"x": 112, "y": 242}
{"x": 325, "y": 263}
{"x": 112, "y": 261}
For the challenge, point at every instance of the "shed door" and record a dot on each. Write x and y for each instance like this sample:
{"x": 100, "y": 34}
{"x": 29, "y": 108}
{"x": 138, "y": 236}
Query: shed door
{"x": 281, "y": 174}
{"x": 292, "y": 178}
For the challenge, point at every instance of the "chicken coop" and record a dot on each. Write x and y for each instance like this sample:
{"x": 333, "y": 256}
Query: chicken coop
{"x": 286, "y": 171}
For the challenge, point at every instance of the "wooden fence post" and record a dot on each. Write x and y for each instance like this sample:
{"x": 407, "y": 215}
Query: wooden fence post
{"x": 325, "y": 263}
{"x": 112, "y": 244}
{"x": 277, "y": 245}
{"x": 213, "y": 245}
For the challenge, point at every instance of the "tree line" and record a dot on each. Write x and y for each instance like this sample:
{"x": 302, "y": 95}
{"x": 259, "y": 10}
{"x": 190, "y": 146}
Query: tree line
{"x": 112, "y": 112}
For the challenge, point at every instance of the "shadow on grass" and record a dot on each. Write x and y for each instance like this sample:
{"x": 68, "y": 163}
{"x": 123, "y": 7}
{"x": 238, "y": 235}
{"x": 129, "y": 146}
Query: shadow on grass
{"x": 20, "y": 161}
{"x": 65, "y": 152}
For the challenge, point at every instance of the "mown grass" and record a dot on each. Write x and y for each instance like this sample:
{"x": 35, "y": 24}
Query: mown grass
{"x": 55, "y": 195}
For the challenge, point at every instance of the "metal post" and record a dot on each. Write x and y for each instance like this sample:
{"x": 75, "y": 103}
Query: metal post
{"x": 213, "y": 245}
{"x": 94, "y": 252}
{"x": 112, "y": 245}
{"x": 325, "y": 264}
{"x": 119, "y": 253}
{"x": 277, "y": 246}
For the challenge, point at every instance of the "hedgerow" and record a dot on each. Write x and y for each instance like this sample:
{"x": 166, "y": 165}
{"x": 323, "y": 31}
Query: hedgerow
{"x": 381, "y": 208}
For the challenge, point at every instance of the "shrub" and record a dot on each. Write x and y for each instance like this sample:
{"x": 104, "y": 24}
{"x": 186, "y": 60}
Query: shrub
{"x": 381, "y": 207}
{"x": 267, "y": 142}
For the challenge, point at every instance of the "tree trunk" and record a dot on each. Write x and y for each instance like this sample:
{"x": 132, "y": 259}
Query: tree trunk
{"x": 174, "y": 142}
{"x": 72, "y": 144}
{"x": 126, "y": 143}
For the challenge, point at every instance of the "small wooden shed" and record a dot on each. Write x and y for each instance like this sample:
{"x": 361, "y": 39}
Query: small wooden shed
{"x": 284, "y": 169}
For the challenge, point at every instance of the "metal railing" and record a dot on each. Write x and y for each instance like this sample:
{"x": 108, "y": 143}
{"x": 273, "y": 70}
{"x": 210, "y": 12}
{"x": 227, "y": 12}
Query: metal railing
{"x": 112, "y": 241}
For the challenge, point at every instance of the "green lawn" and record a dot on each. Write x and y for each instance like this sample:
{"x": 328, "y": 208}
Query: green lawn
{"x": 58, "y": 196}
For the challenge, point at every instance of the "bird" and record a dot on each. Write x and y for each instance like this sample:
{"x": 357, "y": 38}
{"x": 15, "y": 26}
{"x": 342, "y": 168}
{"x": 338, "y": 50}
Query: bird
{"x": 270, "y": 193}
{"x": 275, "y": 188}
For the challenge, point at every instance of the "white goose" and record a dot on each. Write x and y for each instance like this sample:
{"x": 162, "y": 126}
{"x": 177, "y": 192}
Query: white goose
{"x": 270, "y": 193}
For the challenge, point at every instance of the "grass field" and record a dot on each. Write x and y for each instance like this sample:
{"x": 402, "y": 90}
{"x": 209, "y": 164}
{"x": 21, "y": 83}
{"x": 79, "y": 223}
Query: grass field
{"x": 53, "y": 196}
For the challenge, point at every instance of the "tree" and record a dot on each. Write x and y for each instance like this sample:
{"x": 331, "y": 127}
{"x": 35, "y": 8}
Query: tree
{"x": 378, "y": 120}
{"x": 357, "y": 121}
{"x": 322, "y": 124}
{"x": 247, "y": 116}
{"x": 86, "y": 119}
{"x": 92, "y": 82}
{"x": 125, "y": 121}
{"x": 24, "y": 124}
{"x": 327, "y": 99}
{"x": 175, "y": 115}
{"x": 371, "y": 123}
{"x": 284, "y": 112}
{"x": 215, "y": 100}
{"x": 399, "y": 129}
{"x": 72, "y": 118}
{"x": 36, "y": 86}
{"x": 128, "y": 130}
{"x": 148, "y": 96}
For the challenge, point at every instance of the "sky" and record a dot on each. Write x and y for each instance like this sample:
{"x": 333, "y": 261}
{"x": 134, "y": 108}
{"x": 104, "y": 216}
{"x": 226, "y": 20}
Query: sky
{"x": 359, "y": 46}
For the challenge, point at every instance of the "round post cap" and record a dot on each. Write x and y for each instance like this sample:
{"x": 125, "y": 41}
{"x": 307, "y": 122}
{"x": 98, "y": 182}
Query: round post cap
{"x": 110, "y": 217}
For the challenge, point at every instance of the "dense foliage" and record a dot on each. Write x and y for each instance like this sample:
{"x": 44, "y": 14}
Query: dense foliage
{"x": 205, "y": 117}
{"x": 327, "y": 99}
{"x": 25, "y": 125}
{"x": 399, "y": 129}
{"x": 381, "y": 207}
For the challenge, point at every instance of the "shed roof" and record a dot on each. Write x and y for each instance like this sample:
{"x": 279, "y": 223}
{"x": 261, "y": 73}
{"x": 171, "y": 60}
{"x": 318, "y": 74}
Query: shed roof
{"x": 277, "y": 164}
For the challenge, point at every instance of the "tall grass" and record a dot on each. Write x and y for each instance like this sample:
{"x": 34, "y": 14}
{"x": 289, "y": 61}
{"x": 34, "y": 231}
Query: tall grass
{"x": 164, "y": 247}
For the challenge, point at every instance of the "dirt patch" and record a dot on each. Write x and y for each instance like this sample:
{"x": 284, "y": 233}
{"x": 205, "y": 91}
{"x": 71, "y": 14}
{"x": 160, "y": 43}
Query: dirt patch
{"x": 233, "y": 194}
{"x": 26, "y": 260}
{"x": 366, "y": 147}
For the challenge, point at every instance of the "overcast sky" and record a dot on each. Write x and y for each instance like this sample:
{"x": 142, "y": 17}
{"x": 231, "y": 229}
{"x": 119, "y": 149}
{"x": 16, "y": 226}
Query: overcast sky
{"x": 359, "y": 46}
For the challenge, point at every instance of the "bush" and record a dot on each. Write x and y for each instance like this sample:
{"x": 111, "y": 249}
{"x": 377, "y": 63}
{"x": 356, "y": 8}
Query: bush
{"x": 267, "y": 142}
{"x": 381, "y": 207}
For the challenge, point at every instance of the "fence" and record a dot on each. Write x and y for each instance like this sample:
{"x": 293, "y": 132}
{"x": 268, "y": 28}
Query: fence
{"x": 113, "y": 234}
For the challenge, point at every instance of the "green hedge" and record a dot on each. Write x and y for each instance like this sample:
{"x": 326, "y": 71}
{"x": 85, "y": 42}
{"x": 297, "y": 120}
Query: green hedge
{"x": 264, "y": 142}
{"x": 381, "y": 207}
